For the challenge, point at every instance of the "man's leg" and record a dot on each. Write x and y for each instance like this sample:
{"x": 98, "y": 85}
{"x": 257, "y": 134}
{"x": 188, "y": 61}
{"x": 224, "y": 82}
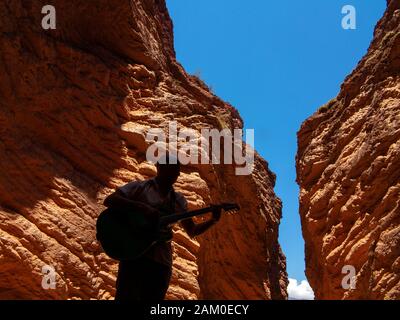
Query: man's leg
{"x": 142, "y": 280}
{"x": 157, "y": 282}
{"x": 129, "y": 281}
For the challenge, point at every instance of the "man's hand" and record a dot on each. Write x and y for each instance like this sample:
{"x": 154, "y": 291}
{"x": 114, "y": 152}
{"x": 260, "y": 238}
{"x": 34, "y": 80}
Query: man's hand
{"x": 194, "y": 229}
{"x": 216, "y": 213}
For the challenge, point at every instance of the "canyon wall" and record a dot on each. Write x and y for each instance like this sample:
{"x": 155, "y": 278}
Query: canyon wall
{"x": 348, "y": 169}
{"x": 74, "y": 105}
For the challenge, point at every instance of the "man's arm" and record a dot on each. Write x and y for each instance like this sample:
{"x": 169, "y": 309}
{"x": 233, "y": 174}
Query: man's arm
{"x": 193, "y": 229}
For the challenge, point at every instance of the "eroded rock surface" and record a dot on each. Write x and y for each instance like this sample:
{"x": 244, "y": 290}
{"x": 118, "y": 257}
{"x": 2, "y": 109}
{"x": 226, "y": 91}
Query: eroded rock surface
{"x": 348, "y": 169}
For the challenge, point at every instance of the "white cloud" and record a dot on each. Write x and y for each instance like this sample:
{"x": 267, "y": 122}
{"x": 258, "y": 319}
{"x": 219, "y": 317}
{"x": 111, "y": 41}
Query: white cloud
{"x": 300, "y": 291}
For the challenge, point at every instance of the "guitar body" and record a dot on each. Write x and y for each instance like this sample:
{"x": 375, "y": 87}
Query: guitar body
{"x": 125, "y": 235}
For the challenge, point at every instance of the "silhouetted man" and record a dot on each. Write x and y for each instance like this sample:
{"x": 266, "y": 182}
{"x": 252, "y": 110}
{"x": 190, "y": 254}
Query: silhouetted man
{"x": 148, "y": 277}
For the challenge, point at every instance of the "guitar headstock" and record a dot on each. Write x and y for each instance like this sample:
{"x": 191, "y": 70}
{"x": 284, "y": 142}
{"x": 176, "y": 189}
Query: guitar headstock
{"x": 230, "y": 207}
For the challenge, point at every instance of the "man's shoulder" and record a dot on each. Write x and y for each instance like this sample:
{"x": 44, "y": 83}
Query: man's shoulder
{"x": 138, "y": 183}
{"x": 134, "y": 185}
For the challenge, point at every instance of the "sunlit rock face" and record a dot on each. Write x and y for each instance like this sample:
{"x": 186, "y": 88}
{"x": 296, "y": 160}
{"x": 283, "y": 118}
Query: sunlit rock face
{"x": 348, "y": 169}
{"x": 74, "y": 103}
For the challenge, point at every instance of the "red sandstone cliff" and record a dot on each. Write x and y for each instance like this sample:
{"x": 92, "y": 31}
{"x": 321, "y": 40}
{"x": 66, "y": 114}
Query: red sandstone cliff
{"x": 72, "y": 103}
{"x": 348, "y": 169}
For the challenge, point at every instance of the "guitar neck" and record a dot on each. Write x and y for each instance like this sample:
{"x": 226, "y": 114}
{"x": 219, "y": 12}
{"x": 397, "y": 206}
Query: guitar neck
{"x": 174, "y": 218}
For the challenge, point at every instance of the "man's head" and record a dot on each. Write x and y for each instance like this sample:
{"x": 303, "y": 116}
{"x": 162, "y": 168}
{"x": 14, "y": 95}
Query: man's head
{"x": 168, "y": 170}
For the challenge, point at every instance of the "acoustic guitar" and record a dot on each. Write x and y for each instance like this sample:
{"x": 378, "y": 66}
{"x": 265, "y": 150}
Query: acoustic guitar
{"x": 127, "y": 235}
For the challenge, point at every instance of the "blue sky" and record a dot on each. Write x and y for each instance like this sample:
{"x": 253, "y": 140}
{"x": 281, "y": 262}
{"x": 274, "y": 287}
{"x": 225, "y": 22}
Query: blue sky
{"x": 277, "y": 62}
